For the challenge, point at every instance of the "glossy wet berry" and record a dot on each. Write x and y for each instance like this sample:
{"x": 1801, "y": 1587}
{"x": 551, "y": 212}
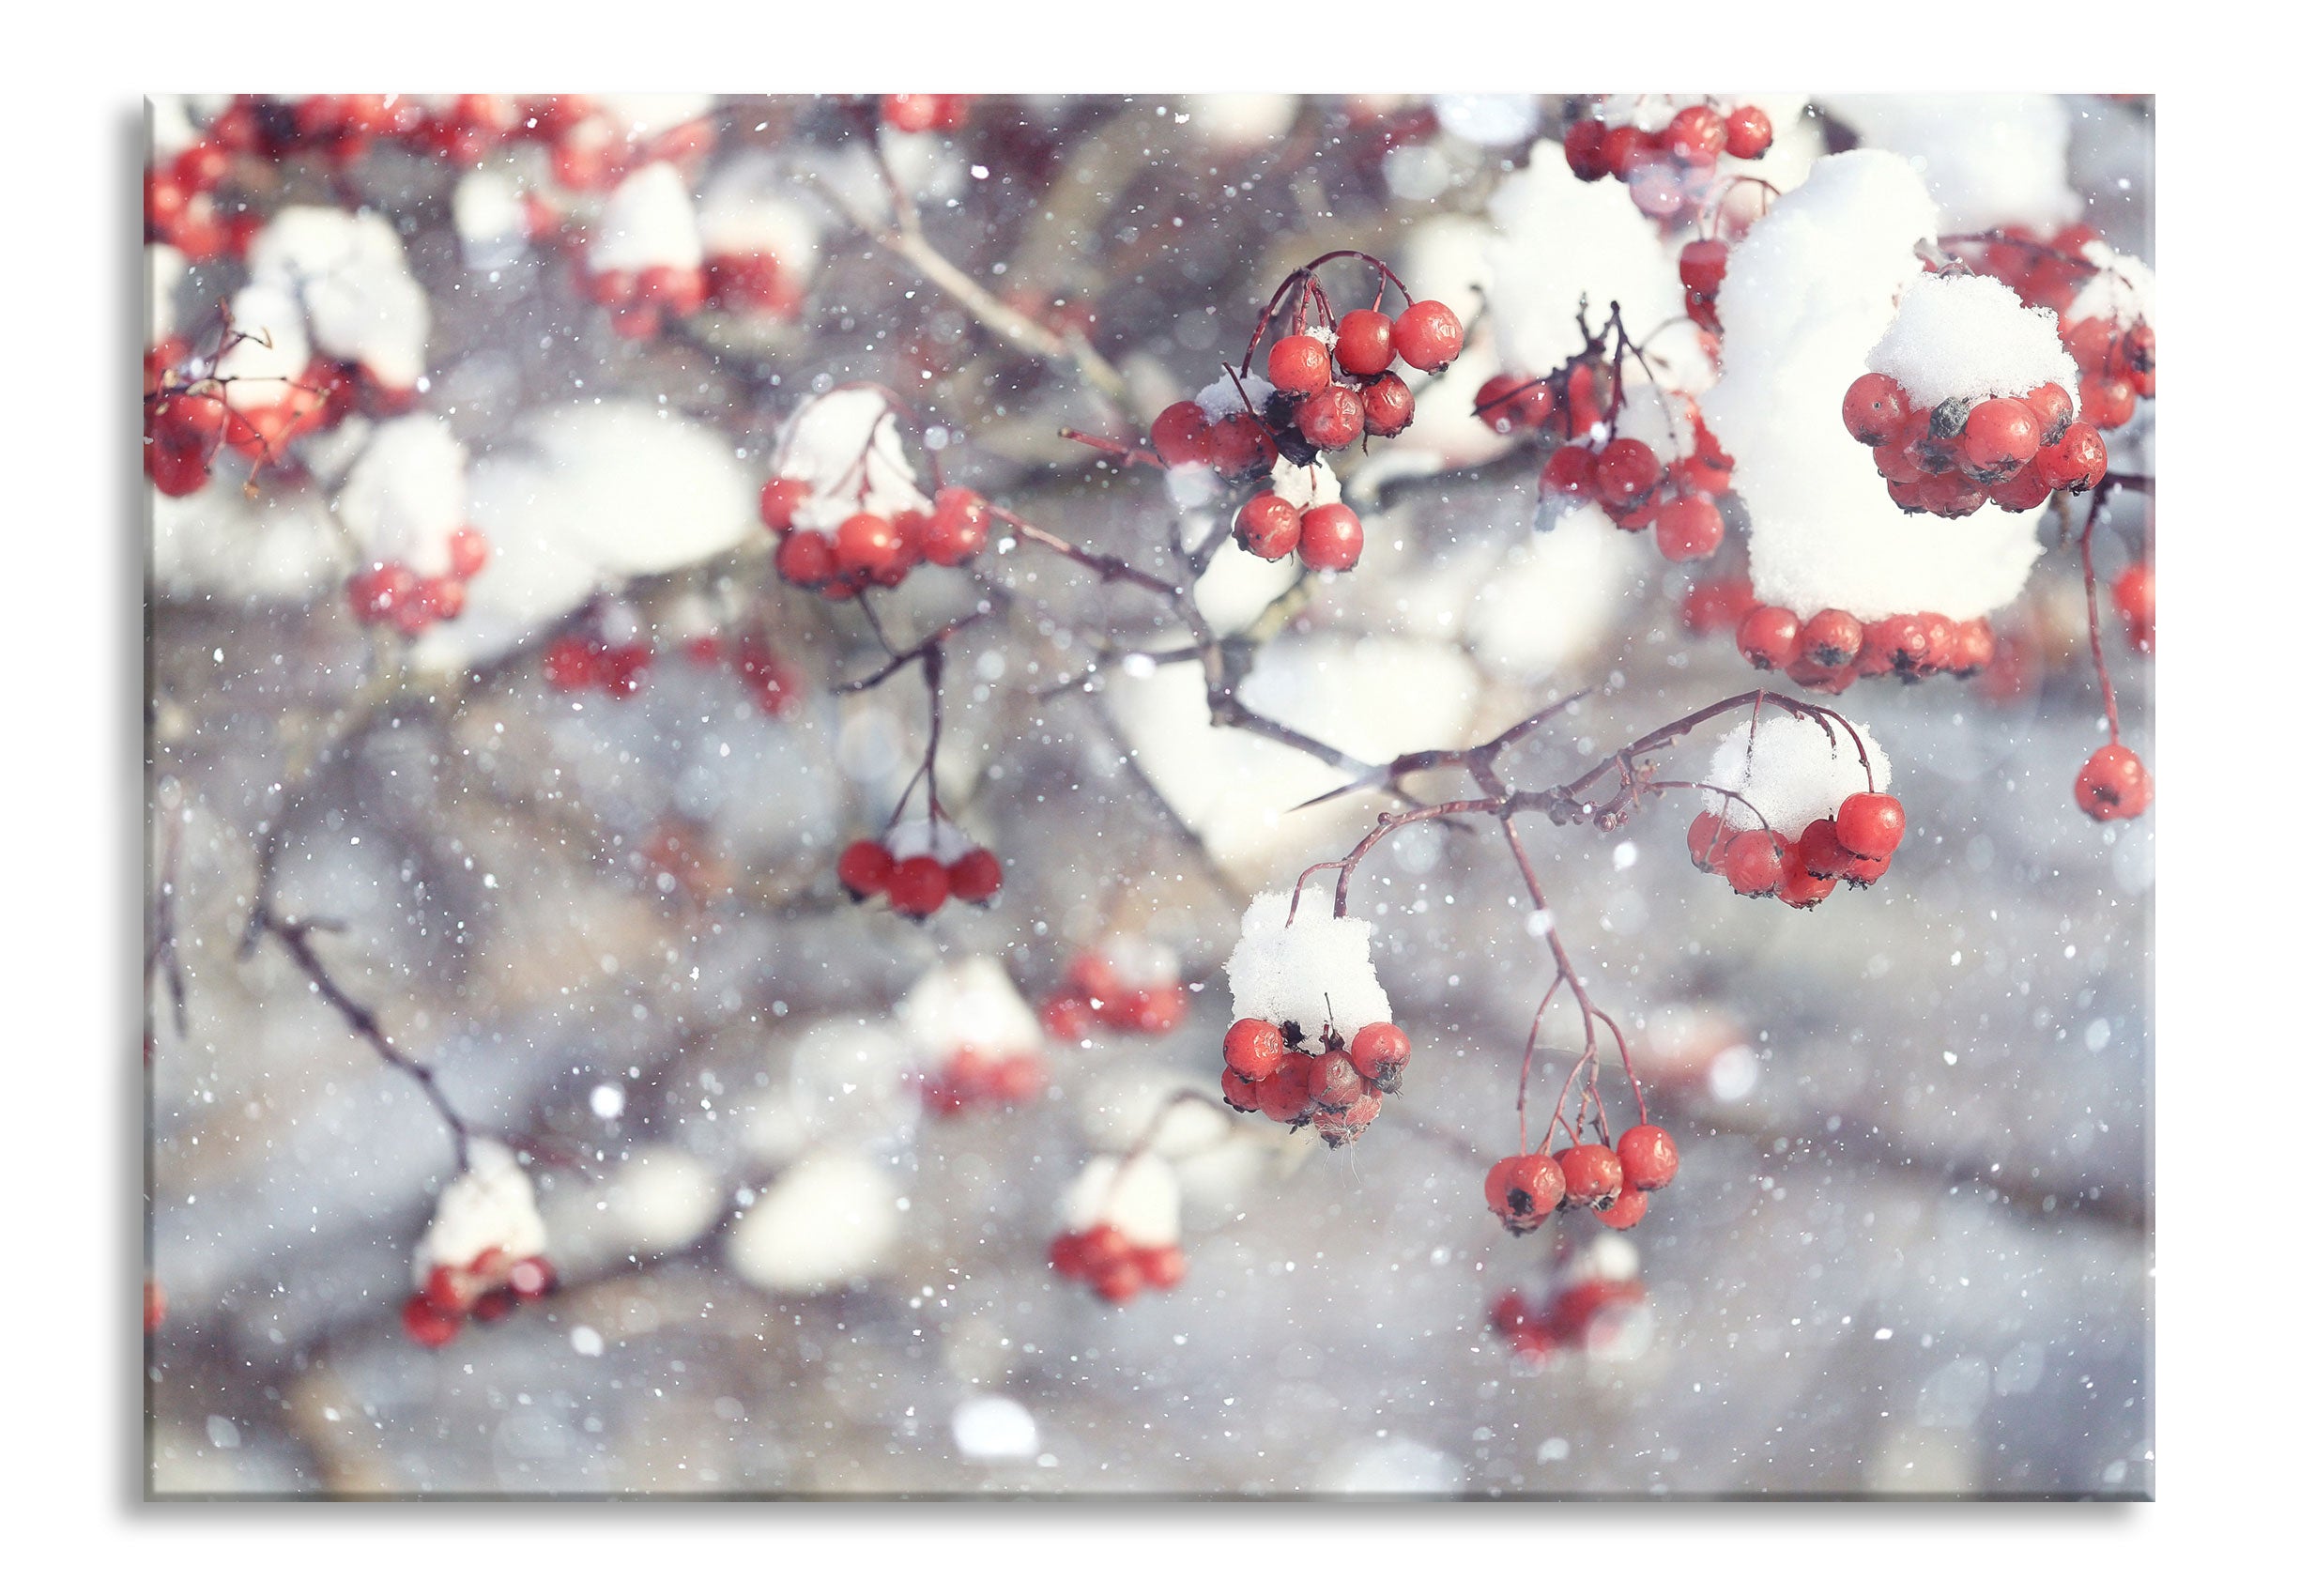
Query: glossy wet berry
{"x": 1255, "y": 1048}
{"x": 1380, "y": 1052}
{"x": 1752, "y": 863}
{"x": 1299, "y": 365}
{"x": 1362, "y": 343}
{"x": 1649, "y": 1157}
{"x": 1427, "y": 335}
{"x": 1871, "y": 825}
{"x": 1268, "y": 527}
{"x": 1332, "y": 538}
{"x": 1592, "y": 1174}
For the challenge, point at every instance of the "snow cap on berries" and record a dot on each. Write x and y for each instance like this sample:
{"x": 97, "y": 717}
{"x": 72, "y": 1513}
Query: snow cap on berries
{"x": 822, "y": 444}
{"x": 1138, "y": 963}
{"x": 1219, "y": 398}
{"x": 1791, "y": 772}
{"x": 649, "y": 220}
{"x": 268, "y": 362}
{"x": 1304, "y": 487}
{"x": 1661, "y": 421}
{"x": 1966, "y": 337}
{"x": 938, "y": 839}
{"x": 1315, "y": 973}
{"x": 970, "y": 1004}
{"x": 1138, "y": 1197}
{"x": 2122, "y": 292}
{"x": 743, "y": 211}
{"x": 490, "y": 1207}
{"x": 348, "y": 271}
{"x": 405, "y": 496}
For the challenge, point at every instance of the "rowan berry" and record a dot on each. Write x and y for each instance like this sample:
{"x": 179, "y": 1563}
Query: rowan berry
{"x": 2114, "y": 785}
{"x": 1524, "y": 1191}
{"x": 1649, "y": 1157}
{"x": 1254, "y": 1049}
{"x": 1753, "y": 865}
{"x": 1331, "y": 419}
{"x": 1363, "y": 344}
{"x": 917, "y": 886}
{"x": 1766, "y": 637}
{"x": 1267, "y": 526}
{"x": 1299, "y": 365}
{"x": 1332, "y": 538}
{"x": 1427, "y": 335}
{"x": 1871, "y": 825}
{"x": 1592, "y": 1174}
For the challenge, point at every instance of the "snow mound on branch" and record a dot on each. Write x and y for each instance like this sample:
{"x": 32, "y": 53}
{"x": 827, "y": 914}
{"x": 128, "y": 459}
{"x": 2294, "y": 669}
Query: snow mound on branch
{"x": 1139, "y": 1198}
{"x": 939, "y": 839}
{"x": 1552, "y": 599}
{"x": 828, "y": 1222}
{"x": 490, "y": 216}
{"x": 272, "y": 352}
{"x": 1811, "y": 288}
{"x": 970, "y": 1004}
{"x": 648, "y": 220}
{"x": 1661, "y": 421}
{"x": 644, "y": 113}
{"x": 218, "y": 543}
{"x": 745, "y": 212}
{"x": 847, "y": 447}
{"x": 1139, "y": 963}
{"x": 656, "y": 1199}
{"x": 1306, "y": 488}
{"x": 1989, "y": 160}
{"x": 1968, "y": 337}
{"x": 1558, "y": 242}
{"x": 1219, "y": 398}
{"x": 2121, "y": 293}
{"x": 491, "y": 1205}
{"x": 350, "y": 272}
{"x": 1316, "y": 972}
{"x": 1792, "y": 772}
{"x": 406, "y": 496}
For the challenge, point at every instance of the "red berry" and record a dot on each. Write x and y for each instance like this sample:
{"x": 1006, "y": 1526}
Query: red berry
{"x": 2078, "y": 462}
{"x": 1871, "y": 825}
{"x": 1242, "y": 446}
{"x": 1331, "y": 419}
{"x": 1299, "y": 365}
{"x": 917, "y": 886}
{"x": 377, "y": 591}
{"x": 1181, "y": 435}
{"x": 1625, "y": 1210}
{"x": 2000, "y": 437}
{"x": 1754, "y": 863}
{"x": 1830, "y": 639}
{"x": 1334, "y": 1081}
{"x": 426, "y": 1325}
{"x": 806, "y": 559}
{"x": 1427, "y": 335}
{"x": 570, "y": 663}
{"x": 1767, "y": 637}
{"x": 1162, "y": 1268}
{"x": 2052, "y": 407}
{"x": 2114, "y": 785}
{"x": 1585, "y": 150}
{"x": 1697, "y": 135}
{"x": 1524, "y": 1191}
{"x": 1622, "y": 146}
{"x": 1332, "y": 538}
{"x": 1749, "y": 133}
{"x": 1823, "y": 853}
{"x": 1689, "y": 528}
{"x": 1716, "y": 604}
{"x": 975, "y": 876}
{"x": 867, "y": 545}
{"x": 1119, "y": 1281}
{"x": 1592, "y": 1174}
{"x": 1255, "y": 1048}
{"x": 175, "y": 472}
{"x": 1159, "y": 1009}
{"x": 466, "y": 552}
{"x": 958, "y": 530}
{"x": 1339, "y": 1127}
{"x": 1898, "y": 642}
{"x": 1241, "y": 1093}
{"x": 2135, "y": 597}
{"x": 1707, "y": 838}
{"x": 1570, "y": 472}
{"x": 1976, "y": 646}
{"x": 1626, "y": 471}
{"x": 910, "y": 113}
{"x": 1362, "y": 343}
{"x": 1389, "y": 404}
{"x": 1701, "y": 265}
{"x": 1067, "y": 1017}
{"x": 1802, "y": 887}
{"x": 1380, "y": 1052}
{"x": 2025, "y": 490}
{"x": 1286, "y": 1094}
{"x": 2109, "y": 402}
{"x": 1876, "y": 409}
{"x": 1268, "y": 527}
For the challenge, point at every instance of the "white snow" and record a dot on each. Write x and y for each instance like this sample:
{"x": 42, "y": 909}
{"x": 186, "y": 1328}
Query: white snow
{"x": 273, "y": 350}
{"x": 350, "y": 272}
{"x": 968, "y": 1004}
{"x": 938, "y": 838}
{"x": 1989, "y": 160}
{"x": 1139, "y": 1197}
{"x": 648, "y": 220}
{"x": 1656, "y": 418}
{"x": 1494, "y": 120}
{"x": 1791, "y": 772}
{"x": 164, "y": 269}
{"x": 406, "y": 496}
{"x": 1219, "y": 398}
{"x": 490, "y": 218}
{"x": 1318, "y": 970}
{"x": 491, "y": 1205}
{"x": 745, "y": 211}
{"x": 829, "y": 1221}
{"x": 847, "y": 446}
{"x": 1306, "y": 486}
{"x": 2122, "y": 292}
{"x": 1966, "y": 337}
{"x": 1548, "y": 601}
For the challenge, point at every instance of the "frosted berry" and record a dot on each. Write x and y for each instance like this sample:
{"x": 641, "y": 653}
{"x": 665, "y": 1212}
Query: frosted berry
{"x": 1389, "y": 405}
{"x": 1268, "y": 527}
{"x": 2078, "y": 462}
{"x": 918, "y": 886}
{"x": 1823, "y": 854}
{"x": 1697, "y": 135}
{"x": 1254, "y": 1049}
{"x": 1363, "y": 344}
{"x": 1299, "y": 365}
{"x": 1752, "y": 863}
{"x": 1524, "y": 1191}
{"x": 1331, "y": 419}
{"x": 1871, "y": 825}
{"x": 975, "y": 876}
{"x": 780, "y": 500}
{"x": 1334, "y": 1081}
{"x": 2052, "y": 407}
{"x": 1332, "y": 538}
{"x": 2114, "y": 785}
{"x": 1427, "y": 335}
{"x": 1592, "y": 1174}
{"x": 1339, "y": 1127}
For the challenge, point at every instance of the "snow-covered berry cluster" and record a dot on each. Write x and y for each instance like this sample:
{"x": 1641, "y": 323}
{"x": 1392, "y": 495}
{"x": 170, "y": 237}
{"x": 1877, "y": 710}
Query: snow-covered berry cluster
{"x": 1126, "y": 983}
{"x": 1311, "y": 1042}
{"x": 482, "y": 1254}
{"x": 920, "y": 865}
{"x": 1122, "y": 1228}
{"x": 645, "y": 256}
{"x": 1970, "y": 399}
{"x": 606, "y": 651}
{"x": 1598, "y": 1309}
{"x": 1831, "y": 650}
{"x": 404, "y": 503}
{"x": 1612, "y": 1179}
{"x": 1795, "y": 805}
{"x": 847, "y": 506}
{"x": 1658, "y": 466}
{"x": 2107, "y": 331}
{"x": 976, "y": 1039}
{"x": 1665, "y": 147}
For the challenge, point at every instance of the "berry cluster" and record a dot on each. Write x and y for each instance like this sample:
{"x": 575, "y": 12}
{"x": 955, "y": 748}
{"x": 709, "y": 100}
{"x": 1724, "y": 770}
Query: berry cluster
{"x": 584, "y": 660}
{"x": 1129, "y": 984}
{"x": 1629, "y": 478}
{"x": 867, "y": 549}
{"x": 1834, "y": 648}
{"x": 1116, "y": 1267}
{"x": 1701, "y": 267}
{"x": 971, "y": 1076}
{"x": 924, "y": 113}
{"x": 1856, "y": 845}
{"x": 1583, "y": 1317}
{"x": 485, "y": 1289}
{"x": 580, "y": 662}
{"x": 1667, "y": 169}
{"x": 2114, "y": 785}
{"x": 2116, "y": 365}
{"x": 1611, "y": 1181}
{"x": 1274, "y": 524}
{"x": 1962, "y": 454}
{"x": 920, "y": 867}
{"x": 1337, "y": 1089}
{"x": 387, "y": 590}
{"x": 2044, "y": 271}
{"x": 180, "y": 208}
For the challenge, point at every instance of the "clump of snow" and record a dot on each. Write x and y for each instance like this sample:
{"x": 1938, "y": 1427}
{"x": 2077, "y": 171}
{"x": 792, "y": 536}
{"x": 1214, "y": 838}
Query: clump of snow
{"x": 1607, "y": 1257}
{"x": 490, "y": 1205}
{"x": 656, "y": 1199}
{"x": 938, "y": 839}
{"x": 828, "y": 1222}
{"x": 1964, "y": 336}
{"x": 1551, "y": 599}
{"x": 1306, "y": 486}
{"x": 164, "y": 269}
{"x": 745, "y": 212}
{"x": 648, "y": 220}
{"x": 1813, "y": 288}
{"x": 970, "y": 1004}
{"x": 643, "y": 115}
{"x": 348, "y": 271}
{"x": 405, "y": 497}
{"x": 1660, "y": 420}
{"x": 1792, "y": 772}
{"x": 2121, "y": 293}
{"x": 1494, "y": 121}
{"x": 1238, "y": 587}
{"x": 218, "y": 543}
{"x": 1239, "y": 121}
{"x": 490, "y": 216}
{"x": 272, "y": 352}
{"x": 1139, "y": 963}
{"x": 1317, "y": 972}
{"x": 1139, "y": 1197}
{"x": 1219, "y": 398}
{"x": 1989, "y": 160}
{"x": 847, "y": 446}
{"x": 991, "y": 1429}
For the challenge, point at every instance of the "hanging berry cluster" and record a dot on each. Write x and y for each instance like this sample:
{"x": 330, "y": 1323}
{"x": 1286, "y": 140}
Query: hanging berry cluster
{"x": 1586, "y": 1314}
{"x": 918, "y": 866}
{"x": 1336, "y": 1089}
{"x": 1855, "y": 846}
{"x": 1116, "y": 1267}
{"x": 1813, "y": 786}
{"x": 1612, "y": 1180}
{"x": 1129, "y": 984}
{"x": 490, "y": 1286}
{"x": 974, "y": 1077}
{"x": 2012, "y": 451}
{"x": 1671, "y": 166}
{"x": 387, "y": 590}
{"x": 1831, "y": 650}
{"x": 1121, "y": 1223}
